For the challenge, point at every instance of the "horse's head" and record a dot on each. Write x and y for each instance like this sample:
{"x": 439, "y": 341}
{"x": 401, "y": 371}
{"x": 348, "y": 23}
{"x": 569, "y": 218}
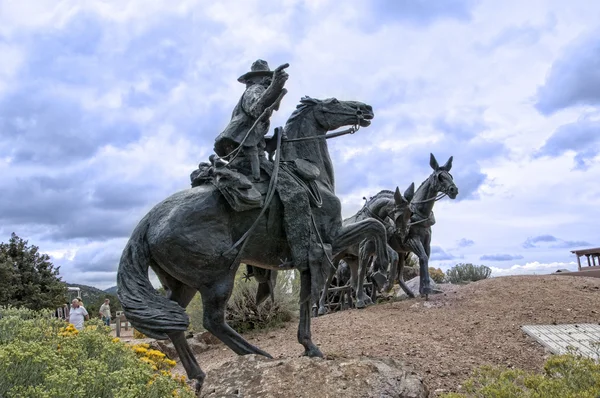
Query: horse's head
{"x": 441, "y": 178}
{"x": 402, "y": 212}
{"x": 333, "y": 114}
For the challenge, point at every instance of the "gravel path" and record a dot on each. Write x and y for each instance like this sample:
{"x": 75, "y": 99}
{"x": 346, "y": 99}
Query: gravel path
{"x": 445, "y": 338}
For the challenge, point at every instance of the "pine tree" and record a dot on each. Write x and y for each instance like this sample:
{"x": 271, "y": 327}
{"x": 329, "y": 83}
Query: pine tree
{"x": 28, "y": 278}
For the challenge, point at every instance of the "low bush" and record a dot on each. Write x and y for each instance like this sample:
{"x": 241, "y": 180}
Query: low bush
{"x": 462, "y": 273}
{"x": 243, "y": 314}
{"x": 138, "y": 335}
{"x": 437, "y": 275}
{"x": 565, "y": 376}
{"x": 44, "y": 357}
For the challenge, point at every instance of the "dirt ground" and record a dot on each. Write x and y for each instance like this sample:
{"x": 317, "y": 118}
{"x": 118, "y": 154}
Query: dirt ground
{"x": 445, "y": 338}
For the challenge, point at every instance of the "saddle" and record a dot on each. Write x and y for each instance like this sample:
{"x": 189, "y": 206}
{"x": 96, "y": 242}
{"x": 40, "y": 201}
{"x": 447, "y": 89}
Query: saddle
{"x": 241, "y": 193}
{"x": 238, "y": 190}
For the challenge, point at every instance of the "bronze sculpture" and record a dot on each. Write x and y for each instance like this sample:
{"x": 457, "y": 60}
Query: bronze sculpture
{"x": 393, "y": 210}
{"x": 195, "y": 239}
{"x": 418, "y": 240}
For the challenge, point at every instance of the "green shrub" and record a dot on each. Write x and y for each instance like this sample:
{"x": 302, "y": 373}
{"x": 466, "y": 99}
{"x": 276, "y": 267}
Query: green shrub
{"x": 565, "y": 376}
{"x": 243, "y": 314}
{"x": 44, "y": 357}
{"x": 195, "y": 312}
{"x": 462, "y": 273}
{"x": 437, "y": 275}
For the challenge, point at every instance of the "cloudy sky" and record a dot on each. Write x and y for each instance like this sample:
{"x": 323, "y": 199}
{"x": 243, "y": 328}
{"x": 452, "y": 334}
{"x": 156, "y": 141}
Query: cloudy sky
{"x": 107, "y": 106}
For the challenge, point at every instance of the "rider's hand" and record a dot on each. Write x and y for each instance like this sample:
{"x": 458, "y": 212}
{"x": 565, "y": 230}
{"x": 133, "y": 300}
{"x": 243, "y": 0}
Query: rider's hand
{"x": 280, "y": 75}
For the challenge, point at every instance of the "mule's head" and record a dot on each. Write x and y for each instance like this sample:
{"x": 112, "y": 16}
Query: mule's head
{"x": 333, "y": 114}
{"x": 441, "y": 178}
{"x": 402, "y": 212}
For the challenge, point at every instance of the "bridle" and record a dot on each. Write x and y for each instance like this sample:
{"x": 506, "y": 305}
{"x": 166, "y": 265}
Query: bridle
{"x": 434, "y": 198}
{"x": 359, "y": 118}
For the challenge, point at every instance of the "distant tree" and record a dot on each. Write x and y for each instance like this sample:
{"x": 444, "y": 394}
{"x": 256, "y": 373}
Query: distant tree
{"x": 28, "y": 278}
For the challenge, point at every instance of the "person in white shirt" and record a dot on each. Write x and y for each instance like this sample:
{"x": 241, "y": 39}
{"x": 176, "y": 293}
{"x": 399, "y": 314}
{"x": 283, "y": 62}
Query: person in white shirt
{"x": 105, "y": 312}
{"x": 77, "y": 315}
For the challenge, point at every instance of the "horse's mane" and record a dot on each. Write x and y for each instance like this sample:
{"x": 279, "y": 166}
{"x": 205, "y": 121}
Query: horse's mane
{"x": 378, "y": 195}
{"x": 305, "y": 104}
{"x": 381, "y": 194}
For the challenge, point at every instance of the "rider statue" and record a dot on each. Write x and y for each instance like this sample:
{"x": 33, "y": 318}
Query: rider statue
{"x": 264, "y": 90}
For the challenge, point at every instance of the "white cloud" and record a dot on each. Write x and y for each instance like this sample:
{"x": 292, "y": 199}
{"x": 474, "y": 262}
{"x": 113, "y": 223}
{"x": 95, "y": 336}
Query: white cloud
{"x": 533, "y": 268}
{"x": 485, "y": 71}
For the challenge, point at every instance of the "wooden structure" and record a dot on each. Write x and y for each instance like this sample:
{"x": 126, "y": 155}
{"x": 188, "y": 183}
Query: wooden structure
{"x": 592, "y": 269}
{"x": 339, "y": 298}
{"x": 594, "y": 254}
{"x": 120, "y": 319}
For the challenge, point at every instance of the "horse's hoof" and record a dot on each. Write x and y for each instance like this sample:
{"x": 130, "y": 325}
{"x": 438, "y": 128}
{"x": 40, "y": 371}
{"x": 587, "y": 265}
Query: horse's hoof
{"x": 360, "y": 304}
{"x": 313, "y": 352}
{"x": 321, "y": 311}
{"x": 195, "y": 385}
{"x": 368, "y": 301}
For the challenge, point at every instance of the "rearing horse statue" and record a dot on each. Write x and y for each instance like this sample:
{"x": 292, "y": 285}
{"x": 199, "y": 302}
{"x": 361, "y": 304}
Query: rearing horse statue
{"x": 186, "y": 240}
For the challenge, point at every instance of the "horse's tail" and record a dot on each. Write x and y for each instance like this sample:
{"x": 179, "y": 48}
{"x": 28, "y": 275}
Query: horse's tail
{"x": 149, "y": 312}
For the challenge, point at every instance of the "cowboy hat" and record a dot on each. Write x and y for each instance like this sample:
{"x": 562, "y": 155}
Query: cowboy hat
{"x": 258, "y": 68}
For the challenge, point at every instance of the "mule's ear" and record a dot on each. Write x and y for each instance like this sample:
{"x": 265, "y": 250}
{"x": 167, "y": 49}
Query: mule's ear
{"x": 433, "y": 163}
{"x": 410, "y": 192}
{"x": 398, "y": 197}
{"x": 448, "y": 164}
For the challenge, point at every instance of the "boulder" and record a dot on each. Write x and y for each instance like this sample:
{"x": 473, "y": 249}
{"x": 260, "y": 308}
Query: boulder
{"x": 413, "y": 285}
{"x": 208, "y": 338}
{"x": 257, "y": 376}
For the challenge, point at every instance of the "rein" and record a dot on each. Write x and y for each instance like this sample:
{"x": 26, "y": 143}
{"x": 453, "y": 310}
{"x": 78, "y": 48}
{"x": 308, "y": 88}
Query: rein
{"x": 351, "y": 130}
{"x": 435, "y": 199}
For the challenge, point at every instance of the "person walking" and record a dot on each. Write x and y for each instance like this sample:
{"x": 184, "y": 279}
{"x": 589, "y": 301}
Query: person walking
{"x": 105, "y": 312}
{"x": 77, "y": 315}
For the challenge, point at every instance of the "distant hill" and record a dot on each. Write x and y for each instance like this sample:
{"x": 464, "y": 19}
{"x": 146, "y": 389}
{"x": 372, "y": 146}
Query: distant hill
{"x": 111, "y": 290}
{"x": 89, "y": 294}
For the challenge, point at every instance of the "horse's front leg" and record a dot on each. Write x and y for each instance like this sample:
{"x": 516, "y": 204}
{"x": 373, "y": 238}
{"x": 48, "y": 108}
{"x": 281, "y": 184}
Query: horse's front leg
{"x": 304, "y": 333}
{"x": 416, "y": 246}
{"x": 325, "y": 292}
{"x": 393, "y": 269}
{"x": 364, "y": 255}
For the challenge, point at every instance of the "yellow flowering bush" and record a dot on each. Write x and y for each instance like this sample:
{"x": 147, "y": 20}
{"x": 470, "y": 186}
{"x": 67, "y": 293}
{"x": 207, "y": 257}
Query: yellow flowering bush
{"x": 138, "y": 335}
{"x": 43, "y": 357}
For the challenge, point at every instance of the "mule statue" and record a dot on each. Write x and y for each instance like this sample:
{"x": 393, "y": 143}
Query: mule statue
{"x": 418, "y": 240}
{"x": 393, "y": 210}
{"x": 195, "y": 239}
